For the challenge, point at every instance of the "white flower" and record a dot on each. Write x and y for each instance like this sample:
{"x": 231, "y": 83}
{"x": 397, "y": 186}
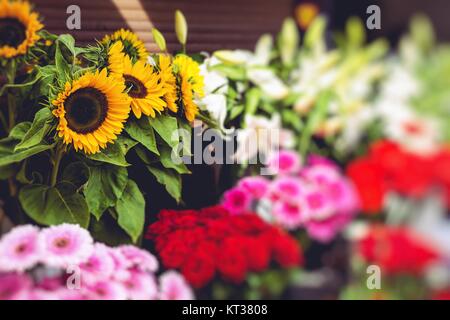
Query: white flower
{"x": 268, "y": 82}
{"x": 214, "y": 81}
{"x": 414, "y": 132}
{"x": 261, "y": 136}
{"x": 216, "y": 88}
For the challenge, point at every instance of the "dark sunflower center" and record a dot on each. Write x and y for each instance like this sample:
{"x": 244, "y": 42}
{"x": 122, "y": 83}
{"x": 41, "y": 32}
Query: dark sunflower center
{"x": 12, "y": 32}
{"x": 131, "y": 50}
{"x": 86, "y": 109}
{"x": 136, "y": 87}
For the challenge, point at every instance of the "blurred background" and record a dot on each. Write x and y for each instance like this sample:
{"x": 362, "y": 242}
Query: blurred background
{"x": 216, "y": 24}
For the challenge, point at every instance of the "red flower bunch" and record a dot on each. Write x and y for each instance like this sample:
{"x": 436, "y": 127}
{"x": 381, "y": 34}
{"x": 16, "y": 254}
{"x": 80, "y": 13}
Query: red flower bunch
{"x": 388, "y": 167}
{"x": 397, "y": 250}
{"x": 209, "y": 241}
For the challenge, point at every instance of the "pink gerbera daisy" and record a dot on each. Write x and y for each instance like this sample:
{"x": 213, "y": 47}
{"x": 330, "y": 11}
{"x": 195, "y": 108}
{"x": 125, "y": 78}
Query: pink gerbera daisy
{"x": 105, "y": 290}
{"x": 140, "y": 286}
{"x": 140, "y": 259}
{"x": 237, "y": 201}
{"x": 173, "y": 286}
{"x": 19, "y": 249}
{"x": 99, "y": 266}
{"x": 285, "y": 162}
{"x": 65, "y": 245}
{"x": 256, "y": 186}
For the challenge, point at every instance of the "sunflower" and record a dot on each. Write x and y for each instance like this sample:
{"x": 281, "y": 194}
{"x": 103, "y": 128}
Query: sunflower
{"x": 18, "y": 28}
{"x": 169, "y": 81}
{"x": 190, "y": 84}
{"x": 145, "y": 88}
{"x": 133, "y": 47}
{"x": 115, "y": 60}
{"x": 91, "y": 111}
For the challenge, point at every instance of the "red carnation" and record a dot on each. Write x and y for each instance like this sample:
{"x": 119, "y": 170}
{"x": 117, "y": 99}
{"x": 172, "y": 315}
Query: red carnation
{"x": 287, "y": 252}
{"x": 368, "y": 178}
{"x": 232, "y": 262}
{"x": 397, "y": 250}
{"x": 201, "y": 243}
{"x": 199, "y": 269}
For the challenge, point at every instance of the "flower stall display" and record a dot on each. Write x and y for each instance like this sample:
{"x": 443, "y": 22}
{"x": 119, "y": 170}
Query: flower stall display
{"x": 340, "y": 164}
{"x": 62, "y": 262}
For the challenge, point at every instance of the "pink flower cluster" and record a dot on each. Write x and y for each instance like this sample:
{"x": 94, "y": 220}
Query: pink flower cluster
{"x": 63, "y": 263}
{"x": 315, "y": 196}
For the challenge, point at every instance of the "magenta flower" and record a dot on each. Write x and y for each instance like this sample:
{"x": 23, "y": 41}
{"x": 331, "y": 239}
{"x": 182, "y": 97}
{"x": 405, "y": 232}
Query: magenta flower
{"x": 343, "y": 195}
{"x": 256, "y": 186}
{"x": 19, "y": 249}
{"x": 14, "y": 286}
{"x": 285, "y": 162}
{"x": 173, "y": 286}
{"x": 325, "y": 230}
{"x": 319, "y": 204}
{"x": 288, "y": 189}
{"x": 65, "y": 245}
{"x": 290, "y": 215}
{"x": 321, "y": 175}
{"x": 140, "y": 286}
{"x": 237, "y": 201}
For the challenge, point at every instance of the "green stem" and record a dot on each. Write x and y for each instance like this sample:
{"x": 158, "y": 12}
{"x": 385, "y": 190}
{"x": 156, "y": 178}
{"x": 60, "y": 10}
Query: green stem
{"x": 11, "y": 75}
{"x": 3, "y": 121}
{"x": 56, "y": 163}
{"x": 11, "y": 112}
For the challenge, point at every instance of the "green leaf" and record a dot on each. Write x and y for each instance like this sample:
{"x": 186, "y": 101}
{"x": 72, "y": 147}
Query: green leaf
{"x": 252, "y": 98}
{"x": 54, "y": 205}
{"x": 19, "y": 131}
{"x": 69, "y": 42}
{"x": 236, "y": 111}
{"x": 62, "y": 67}
{"x": 170, "y": 179}
{"x": 166, "y": 161}
{"x": 104, "y": 187}
{"x": 141, "y": 131}
{"x": 107, "y": 231}
{"x": 37, "y": 131}
{"x": 8, "y": 156}
{"x": 233, "y": 72}
{"x": 167, "y": 129}
{"x": 125, "y": 143}
{"x": 113, "y": 154}
{"x": 77, "y": 173}
{"x": 131, "y": 211}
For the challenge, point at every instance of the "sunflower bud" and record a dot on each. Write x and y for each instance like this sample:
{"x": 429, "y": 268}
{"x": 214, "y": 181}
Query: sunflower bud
{"x": 159, "y": 39}
{"x": 181, "y": 28}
